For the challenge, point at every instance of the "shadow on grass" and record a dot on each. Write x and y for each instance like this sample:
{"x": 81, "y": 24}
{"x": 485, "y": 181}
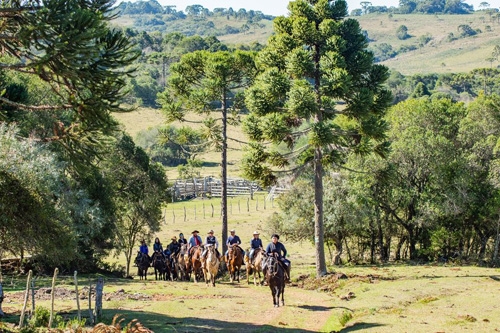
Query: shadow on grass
{"x": 315, "y": 307}
{"x": 360, "y": 327}
{"x": 495, "y": 277}
{"x": 163, "y": 323}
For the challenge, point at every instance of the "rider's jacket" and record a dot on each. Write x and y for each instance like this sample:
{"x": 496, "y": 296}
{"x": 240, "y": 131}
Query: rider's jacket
{"x": 212, "y": 240}
{"x": 255, "y": 243}
{"x": 174, "y": 247}
{"x": 276, "y": 248}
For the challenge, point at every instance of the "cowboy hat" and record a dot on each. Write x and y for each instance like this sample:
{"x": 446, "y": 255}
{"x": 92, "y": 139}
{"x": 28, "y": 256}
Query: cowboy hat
{"x": 174, "y": 238}
{"x": 232, "y": 230}
{"x": 210, "y": 231}
{"x": 195, "y": 231}
{"x": 256, "y": 233}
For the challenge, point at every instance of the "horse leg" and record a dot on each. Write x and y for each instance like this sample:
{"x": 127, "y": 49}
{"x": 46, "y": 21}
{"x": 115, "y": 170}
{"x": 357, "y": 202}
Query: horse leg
{"x": 273, "y": 291}
{"x": 283, "y": 294}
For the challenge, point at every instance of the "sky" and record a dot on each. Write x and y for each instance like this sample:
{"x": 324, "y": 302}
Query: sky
{"x": 278, "y": 7}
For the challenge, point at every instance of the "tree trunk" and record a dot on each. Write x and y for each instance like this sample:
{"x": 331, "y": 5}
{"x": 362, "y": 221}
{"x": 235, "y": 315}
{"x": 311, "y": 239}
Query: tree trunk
{"x": 402, "y": 240}
{"x": 339, "y": 249}
{"x": 318, "y": 214}
{"x": 224, "y": 174}
{"x": 497, "y": 241}
{"x": 318, "y": 176}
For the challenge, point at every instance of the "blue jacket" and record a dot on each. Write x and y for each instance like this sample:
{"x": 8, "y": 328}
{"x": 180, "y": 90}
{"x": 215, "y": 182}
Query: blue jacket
{"x": 256, "y": 243}
{"x": 231, "y": 240}
{"x": 192, "y": 241}
{"x": 276, "y": 248}
{"x": 144, "y": 249}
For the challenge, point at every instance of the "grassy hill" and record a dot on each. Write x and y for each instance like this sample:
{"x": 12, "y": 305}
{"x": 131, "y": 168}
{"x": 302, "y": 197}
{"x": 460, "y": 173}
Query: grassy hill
{"x": 439, "y": 55}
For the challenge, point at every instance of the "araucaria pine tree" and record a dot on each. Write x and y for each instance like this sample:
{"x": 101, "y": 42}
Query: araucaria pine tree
{"x": 320, "y": 94}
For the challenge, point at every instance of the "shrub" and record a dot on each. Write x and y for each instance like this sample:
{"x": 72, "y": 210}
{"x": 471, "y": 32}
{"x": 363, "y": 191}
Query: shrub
{"x": 402, "y": 32}
{"x": 345, "y": 317}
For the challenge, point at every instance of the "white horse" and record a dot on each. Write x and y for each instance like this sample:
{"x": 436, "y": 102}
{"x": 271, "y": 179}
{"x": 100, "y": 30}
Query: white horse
{"x": 210, "y": 265}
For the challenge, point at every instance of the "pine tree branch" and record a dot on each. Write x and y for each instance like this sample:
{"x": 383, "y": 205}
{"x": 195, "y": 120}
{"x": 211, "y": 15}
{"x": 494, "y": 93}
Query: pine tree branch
{"x": 35, "y": 107}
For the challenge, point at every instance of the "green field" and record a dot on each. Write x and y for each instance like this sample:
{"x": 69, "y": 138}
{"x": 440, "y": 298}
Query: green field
{"x": 373, "y": 298}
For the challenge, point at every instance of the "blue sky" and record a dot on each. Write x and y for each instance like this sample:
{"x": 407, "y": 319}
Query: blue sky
{"x": 278, "y": 7}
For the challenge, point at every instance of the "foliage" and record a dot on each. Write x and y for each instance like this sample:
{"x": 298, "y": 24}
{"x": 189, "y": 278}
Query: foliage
{"x": 316, "y": 59}
{"x": 402, "y": 32}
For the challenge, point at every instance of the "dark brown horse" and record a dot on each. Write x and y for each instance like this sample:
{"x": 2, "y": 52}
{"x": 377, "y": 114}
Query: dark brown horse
{"x": 194, "y": 264}
{"x": 234, "y": 262}
{"x": 275, "y": 278}
{"x": 159, "y": 262}
{"x": 142, "y": 262}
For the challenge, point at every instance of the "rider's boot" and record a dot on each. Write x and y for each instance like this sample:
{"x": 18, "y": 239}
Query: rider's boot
{"x": 287, "y": 273}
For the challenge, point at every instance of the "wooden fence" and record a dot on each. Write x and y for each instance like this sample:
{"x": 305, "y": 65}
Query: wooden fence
{"x": 209, "y": 186}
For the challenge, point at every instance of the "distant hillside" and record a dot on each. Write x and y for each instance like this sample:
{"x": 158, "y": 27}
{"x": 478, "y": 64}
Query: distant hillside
{"x": 228, "y": 25}
{"x": 436, "y": 43}
{"x": 408, "y": 43}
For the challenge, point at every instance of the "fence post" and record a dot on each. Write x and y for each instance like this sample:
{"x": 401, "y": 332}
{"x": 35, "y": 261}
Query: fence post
{"x": 26, "y": 296}
{"x": 184, "y": 213}
{"x": 77, "y": 298}
{"x": 248, "y": 204}
{"x": 203, "y": 210}
{"x": 91, "y": 314}
{"x": 211, "y": 204}
{"x": 256, "y": 203}
{"x": 239, "y": 208}
{"x": 33, "y": 308}
{"x": 264, "y": 203}
{"x": 272, "y": 201}
{"x": 173, "y": 213}
{"x": 52, "y": 297}
{"x": 251, "y": 191}
{"x": 99, "y": 287}
{"x": 195, "y": 212}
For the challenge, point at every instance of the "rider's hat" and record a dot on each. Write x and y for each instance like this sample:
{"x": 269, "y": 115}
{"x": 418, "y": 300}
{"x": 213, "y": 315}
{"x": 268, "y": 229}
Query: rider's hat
{"x": 195, "y": 231}
{"x": 275, "y": 235}
{"x": 210, "y": 231}
{"x": 174, "y": 238}
{"x": 232, "y": 230}
{"x": 256, "y": 232}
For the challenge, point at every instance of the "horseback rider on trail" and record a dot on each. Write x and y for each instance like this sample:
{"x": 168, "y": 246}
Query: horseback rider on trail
{"x": 174, "y": 246}
{"x": 255, "y": 244}
{"x": 231, "y": 241}
{"x": 144, "y": 248}
{"x": 157, "y": 247}
{"x": 182, "y": 240}
{"x": 210, "y": 240}
{"x": 194, "y": 240}
{"x": 276, "y": 247}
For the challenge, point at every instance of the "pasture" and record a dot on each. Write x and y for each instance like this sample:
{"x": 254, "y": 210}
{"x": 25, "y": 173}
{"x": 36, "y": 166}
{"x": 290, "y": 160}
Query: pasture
{"x": 396, "y": 297}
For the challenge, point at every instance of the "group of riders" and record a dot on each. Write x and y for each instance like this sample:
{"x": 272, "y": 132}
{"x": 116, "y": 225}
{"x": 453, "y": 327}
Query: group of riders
{"x": 274, "y": 248}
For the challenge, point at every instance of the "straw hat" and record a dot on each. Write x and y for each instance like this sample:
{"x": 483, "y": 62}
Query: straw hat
{"x": 256, "y": 232}
{"x": 174, "y": 238}
{"x": 210, "y": 231}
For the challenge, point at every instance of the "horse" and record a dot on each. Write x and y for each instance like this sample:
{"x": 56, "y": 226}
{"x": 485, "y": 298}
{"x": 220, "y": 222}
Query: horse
{"x": 160, "y": 265}
{"x": 142, "y": 262}
{"x": 274, "y": 273}
{"x": 234, "y": 262}
{"x": 211, "y": 265}
{"x": 255, "y": 265}
{"x": 194, "y": 265}
{"x": 181, "y": 262}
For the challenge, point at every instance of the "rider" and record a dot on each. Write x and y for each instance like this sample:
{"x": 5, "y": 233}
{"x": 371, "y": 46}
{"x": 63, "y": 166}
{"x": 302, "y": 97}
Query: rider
{"x": 174, "y": 246}
{"x": 231, "y": 241}
{"x": 276, "y": 247}
{"x": 182, "y": 240}
{"x": 255, "y": 243}
{"x": 157, "y": 247}
{"x": 194, "y": 240}
{"x": 144, "y": 248}
{"x": 210, "y": 240}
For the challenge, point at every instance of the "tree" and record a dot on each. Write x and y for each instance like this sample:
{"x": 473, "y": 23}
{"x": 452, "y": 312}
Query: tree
{"x": 402, "y": 32}
{"x": 204, "y": 83}
{"x": 69, "y": 47}
{"x": 315, "y": 60}
{"x": 139, "y": 190}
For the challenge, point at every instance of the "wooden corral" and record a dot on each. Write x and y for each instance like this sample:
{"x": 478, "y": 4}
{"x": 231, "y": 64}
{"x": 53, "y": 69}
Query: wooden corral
{"x": 209, "y": 186}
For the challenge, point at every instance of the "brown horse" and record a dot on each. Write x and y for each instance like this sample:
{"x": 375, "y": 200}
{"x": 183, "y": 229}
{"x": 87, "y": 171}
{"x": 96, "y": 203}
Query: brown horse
{"x": 255, "y": 265}
{"x": 142, "y": 262}
{"x": 211, "y": 265}
{"x": 161, "y": 266}
{"x": 234, "y": 262}
{"x": 181, "y": 262}
{"x": 275, "y": 278}
{"x": 194, "y": 265}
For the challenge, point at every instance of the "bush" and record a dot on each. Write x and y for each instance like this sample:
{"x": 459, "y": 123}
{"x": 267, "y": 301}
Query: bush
{"x": 402, "y": 32}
